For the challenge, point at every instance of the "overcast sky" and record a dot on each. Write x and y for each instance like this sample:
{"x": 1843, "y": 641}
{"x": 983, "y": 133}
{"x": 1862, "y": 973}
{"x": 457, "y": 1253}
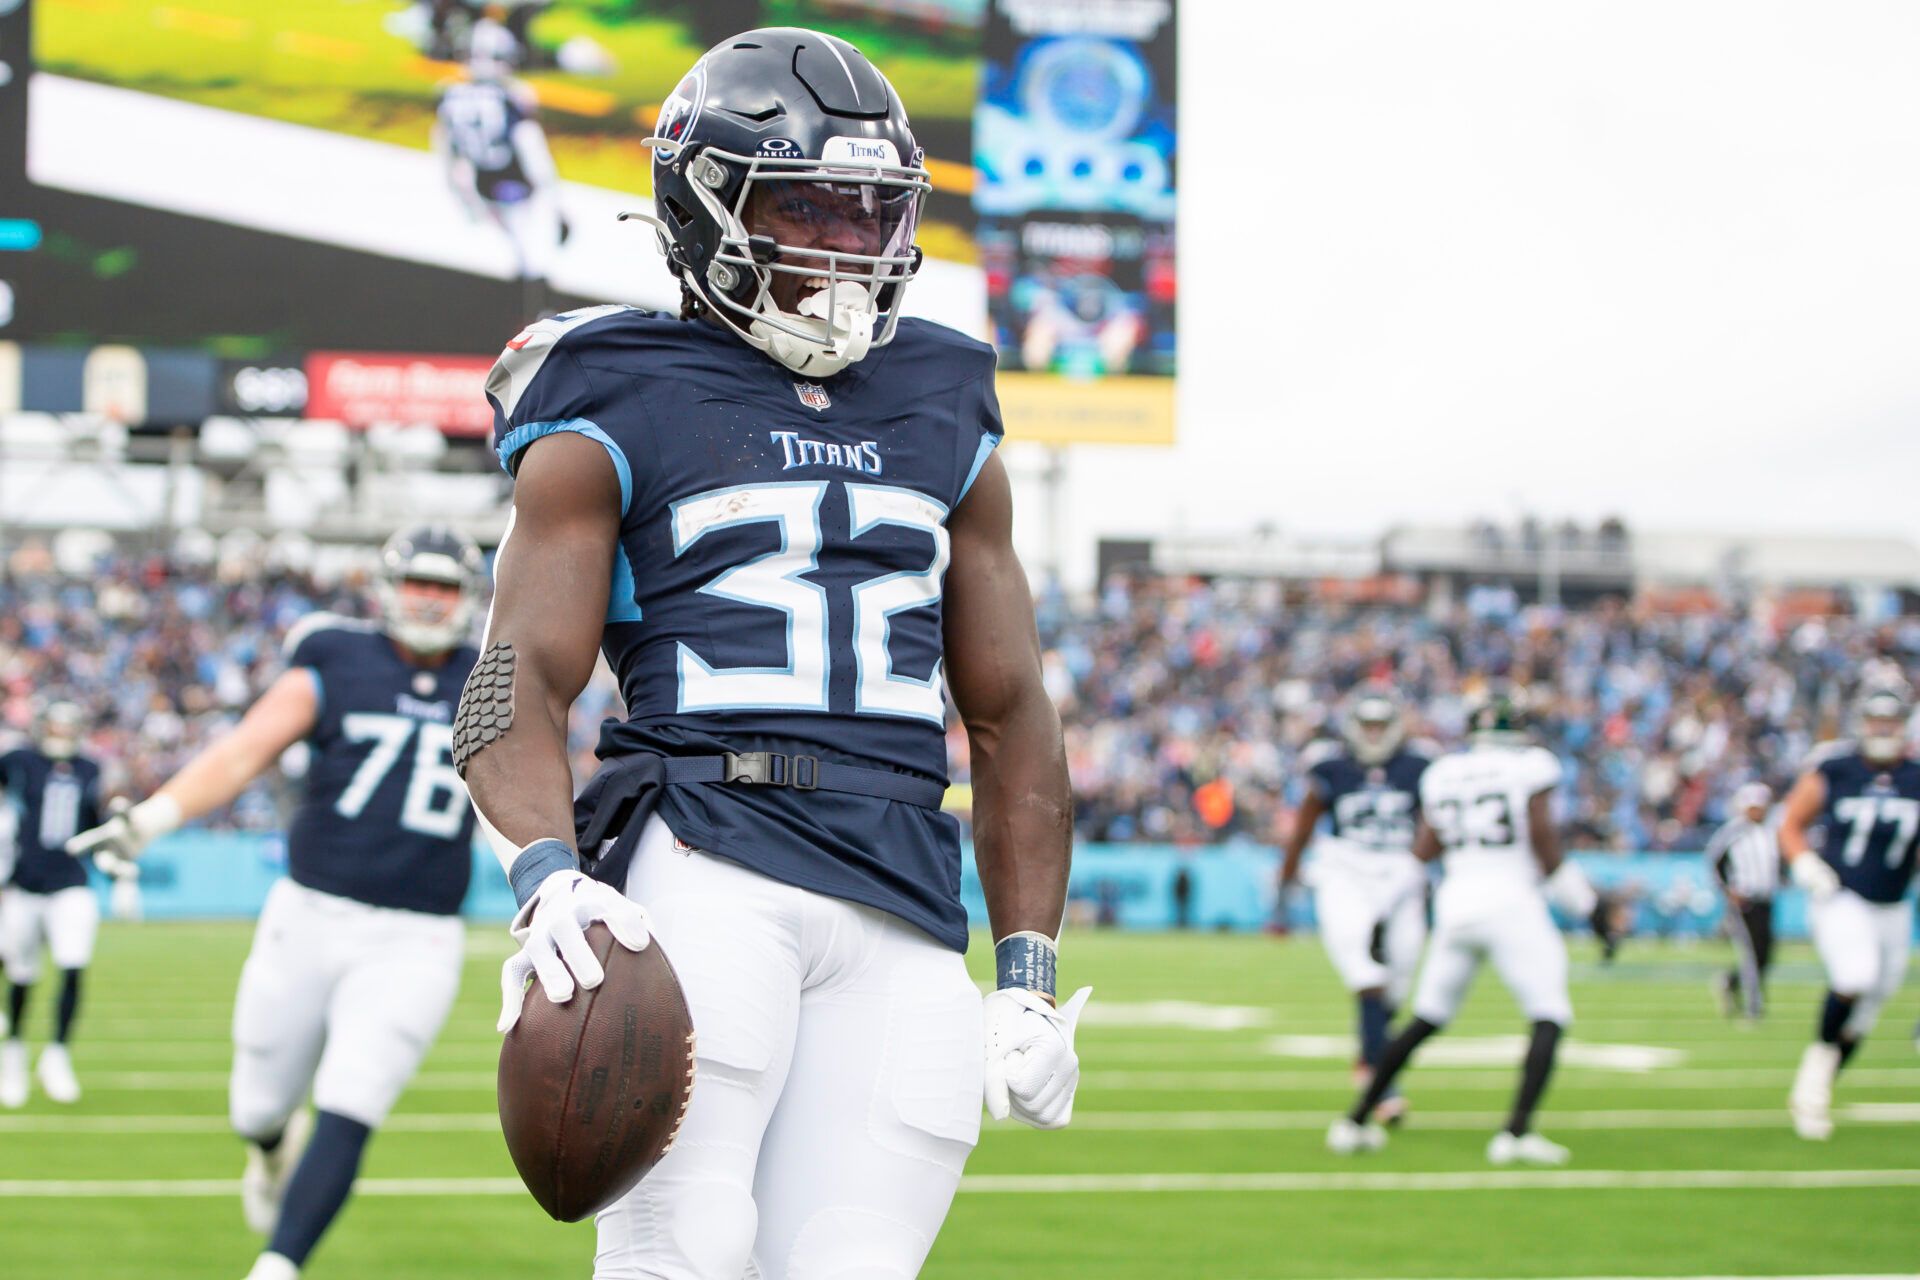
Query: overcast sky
{"x": 1477, "y": 258}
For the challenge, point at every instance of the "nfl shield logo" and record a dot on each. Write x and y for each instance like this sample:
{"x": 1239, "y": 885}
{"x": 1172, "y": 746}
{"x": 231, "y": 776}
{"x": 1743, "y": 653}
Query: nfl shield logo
{"x": 812, "y": 395}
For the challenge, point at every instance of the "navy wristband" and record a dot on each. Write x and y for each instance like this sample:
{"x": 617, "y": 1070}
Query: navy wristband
{"x": 535, "y": 863}
{"x": 1026, "y": 961}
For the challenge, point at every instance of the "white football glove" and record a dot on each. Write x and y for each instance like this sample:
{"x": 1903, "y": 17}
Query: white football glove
{"x": 1811, "y": 872}
{"x": 123, "y": 902}
{"x": 1569, "y": 889}
{"x": 551, "y": 930}
{"x": 1031, "y": 1067}
{"x": 116, "y": 843}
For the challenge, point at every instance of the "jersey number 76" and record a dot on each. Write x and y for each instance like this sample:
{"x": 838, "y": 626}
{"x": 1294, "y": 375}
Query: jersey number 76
{"x": 436, "y": 800}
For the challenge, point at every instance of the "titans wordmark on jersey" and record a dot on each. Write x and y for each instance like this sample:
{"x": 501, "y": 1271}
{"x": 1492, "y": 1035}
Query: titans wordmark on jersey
{"x": 1871, "y": 822}
{"x": 1372, "y": 806}
{"x": 778, "y": 581}
{"x": 385, "y": 819}
{"x": 55, "y": 800}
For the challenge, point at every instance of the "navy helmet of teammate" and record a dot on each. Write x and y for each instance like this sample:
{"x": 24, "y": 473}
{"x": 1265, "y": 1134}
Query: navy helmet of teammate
{"x": 1848, "y": 832}
{"x": 781, "y": 518}
{"x": 1369, "y": 889}
{"x": 356, "y": 959}
{"x": 55, "y": 791}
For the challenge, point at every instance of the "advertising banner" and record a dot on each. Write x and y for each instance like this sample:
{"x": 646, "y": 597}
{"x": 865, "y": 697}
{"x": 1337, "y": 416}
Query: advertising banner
{"x": 361, "y": 388}
{"x": 1075, "y": 145}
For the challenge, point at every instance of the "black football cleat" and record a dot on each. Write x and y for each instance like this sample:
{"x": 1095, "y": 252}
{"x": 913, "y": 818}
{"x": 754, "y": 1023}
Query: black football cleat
{"x": 1606, "y": 927}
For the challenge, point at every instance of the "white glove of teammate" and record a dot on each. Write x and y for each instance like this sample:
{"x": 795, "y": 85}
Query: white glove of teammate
{"x": 124, "y": 900}
{"x": 1811, "y": 872}
{"x": 116, "y": 843}
{"x": 1031, "y": 1067}
{"x": 551, "y": 931}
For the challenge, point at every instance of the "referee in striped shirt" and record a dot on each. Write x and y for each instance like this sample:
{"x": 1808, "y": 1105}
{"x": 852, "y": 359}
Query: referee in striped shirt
{"x": 1745, "y": 857}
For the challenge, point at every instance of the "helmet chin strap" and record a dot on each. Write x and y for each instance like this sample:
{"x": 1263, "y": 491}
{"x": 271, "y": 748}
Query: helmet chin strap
{"x": 842, "y": 317}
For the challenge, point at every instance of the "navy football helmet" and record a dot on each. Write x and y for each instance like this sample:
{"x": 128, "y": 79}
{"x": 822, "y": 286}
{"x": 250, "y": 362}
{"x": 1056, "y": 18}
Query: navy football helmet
{"x": 787, "y": 187}
{"x": 1883, "y": 711}
{"x": 429, "y": 553}
{"x": 1373, "y": 723}
{"x": 62, "y": 726}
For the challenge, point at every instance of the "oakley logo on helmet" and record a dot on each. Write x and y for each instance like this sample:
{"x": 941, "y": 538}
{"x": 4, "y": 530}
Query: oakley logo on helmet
{"x": 778, "y": 147}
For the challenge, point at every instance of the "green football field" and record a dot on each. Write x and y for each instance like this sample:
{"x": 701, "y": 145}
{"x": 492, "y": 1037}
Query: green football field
{"x": 1212, "y": 1065}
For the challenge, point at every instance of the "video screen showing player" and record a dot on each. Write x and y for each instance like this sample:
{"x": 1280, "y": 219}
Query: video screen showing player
{"x": 348, "y": 168}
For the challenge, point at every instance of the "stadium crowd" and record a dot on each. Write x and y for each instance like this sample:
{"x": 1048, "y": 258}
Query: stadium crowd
{"x": 1186, "y": 704}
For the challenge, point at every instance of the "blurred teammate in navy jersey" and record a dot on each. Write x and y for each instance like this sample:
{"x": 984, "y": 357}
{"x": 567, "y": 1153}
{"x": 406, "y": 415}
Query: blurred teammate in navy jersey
{"x": 54, "y": 791}
{"x": 356, "y": 959}
{"x": 1848, "y": 833}
{"x": 1369, "y": 890}
{"x": 781, "y": 518}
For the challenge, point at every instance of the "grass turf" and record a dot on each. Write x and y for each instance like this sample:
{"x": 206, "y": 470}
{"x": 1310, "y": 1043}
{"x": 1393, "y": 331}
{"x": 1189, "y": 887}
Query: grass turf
{"x": 1158, "y": 1098}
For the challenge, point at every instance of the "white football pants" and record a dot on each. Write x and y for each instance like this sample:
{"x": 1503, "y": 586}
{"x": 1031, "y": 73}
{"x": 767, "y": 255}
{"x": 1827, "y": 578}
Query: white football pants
{"x": 341, "y": 996}
{"x": 1479, "y": 919}
{"x": 1864, "y": 946}
{"x": 838, "y": 1096}
{"x": 1355, "y": 894}
{"x": 65, "y": 923}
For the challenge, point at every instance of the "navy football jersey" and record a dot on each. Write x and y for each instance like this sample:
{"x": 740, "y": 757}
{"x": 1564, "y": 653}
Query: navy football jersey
{"x": 1373, "y": 806}
{"x": 56, "y": 800}
{"x": 778, "y": 581}
{"x": 479, "y": 120}
{"x": 1871, "y": 821}
{"x": 384, "y": 818}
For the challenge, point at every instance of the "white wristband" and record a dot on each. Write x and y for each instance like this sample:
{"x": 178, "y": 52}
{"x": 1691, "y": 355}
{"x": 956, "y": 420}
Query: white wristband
{"x": 154, "y": 817}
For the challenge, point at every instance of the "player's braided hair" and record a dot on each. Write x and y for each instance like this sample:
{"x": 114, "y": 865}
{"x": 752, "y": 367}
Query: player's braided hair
{"x": 691, "y": 307}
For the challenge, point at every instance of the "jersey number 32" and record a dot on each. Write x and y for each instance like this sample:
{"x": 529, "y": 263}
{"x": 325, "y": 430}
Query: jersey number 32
{"x": 778, "y": 580}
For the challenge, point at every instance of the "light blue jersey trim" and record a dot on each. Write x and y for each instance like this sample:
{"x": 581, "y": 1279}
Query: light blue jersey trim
{"x": 525, "y": 434}
{"x": 621, "y": 606}
{"x": 987, "y": 444}
{"x": 620, "y": 603}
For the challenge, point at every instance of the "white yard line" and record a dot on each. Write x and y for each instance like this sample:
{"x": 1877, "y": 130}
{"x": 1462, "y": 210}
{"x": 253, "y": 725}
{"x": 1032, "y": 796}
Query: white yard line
{"x": 1445, "y": 1080}
{"x": 1095, "y": 1183}
{"x": 1492, "y": 1180}
{"x": 422, "y": 1122}
{"x": 1550, "y": 1119}
{"x": 1310, "y": 1120}
{"x": 1463, "y": 1078}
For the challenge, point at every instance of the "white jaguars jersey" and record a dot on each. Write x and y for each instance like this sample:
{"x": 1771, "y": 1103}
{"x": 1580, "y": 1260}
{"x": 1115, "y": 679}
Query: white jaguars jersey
{"x": 1476, "y": 802}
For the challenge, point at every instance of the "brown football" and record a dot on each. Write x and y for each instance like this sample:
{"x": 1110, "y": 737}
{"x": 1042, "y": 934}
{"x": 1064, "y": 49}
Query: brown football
{"x": 592, "y": 1091}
